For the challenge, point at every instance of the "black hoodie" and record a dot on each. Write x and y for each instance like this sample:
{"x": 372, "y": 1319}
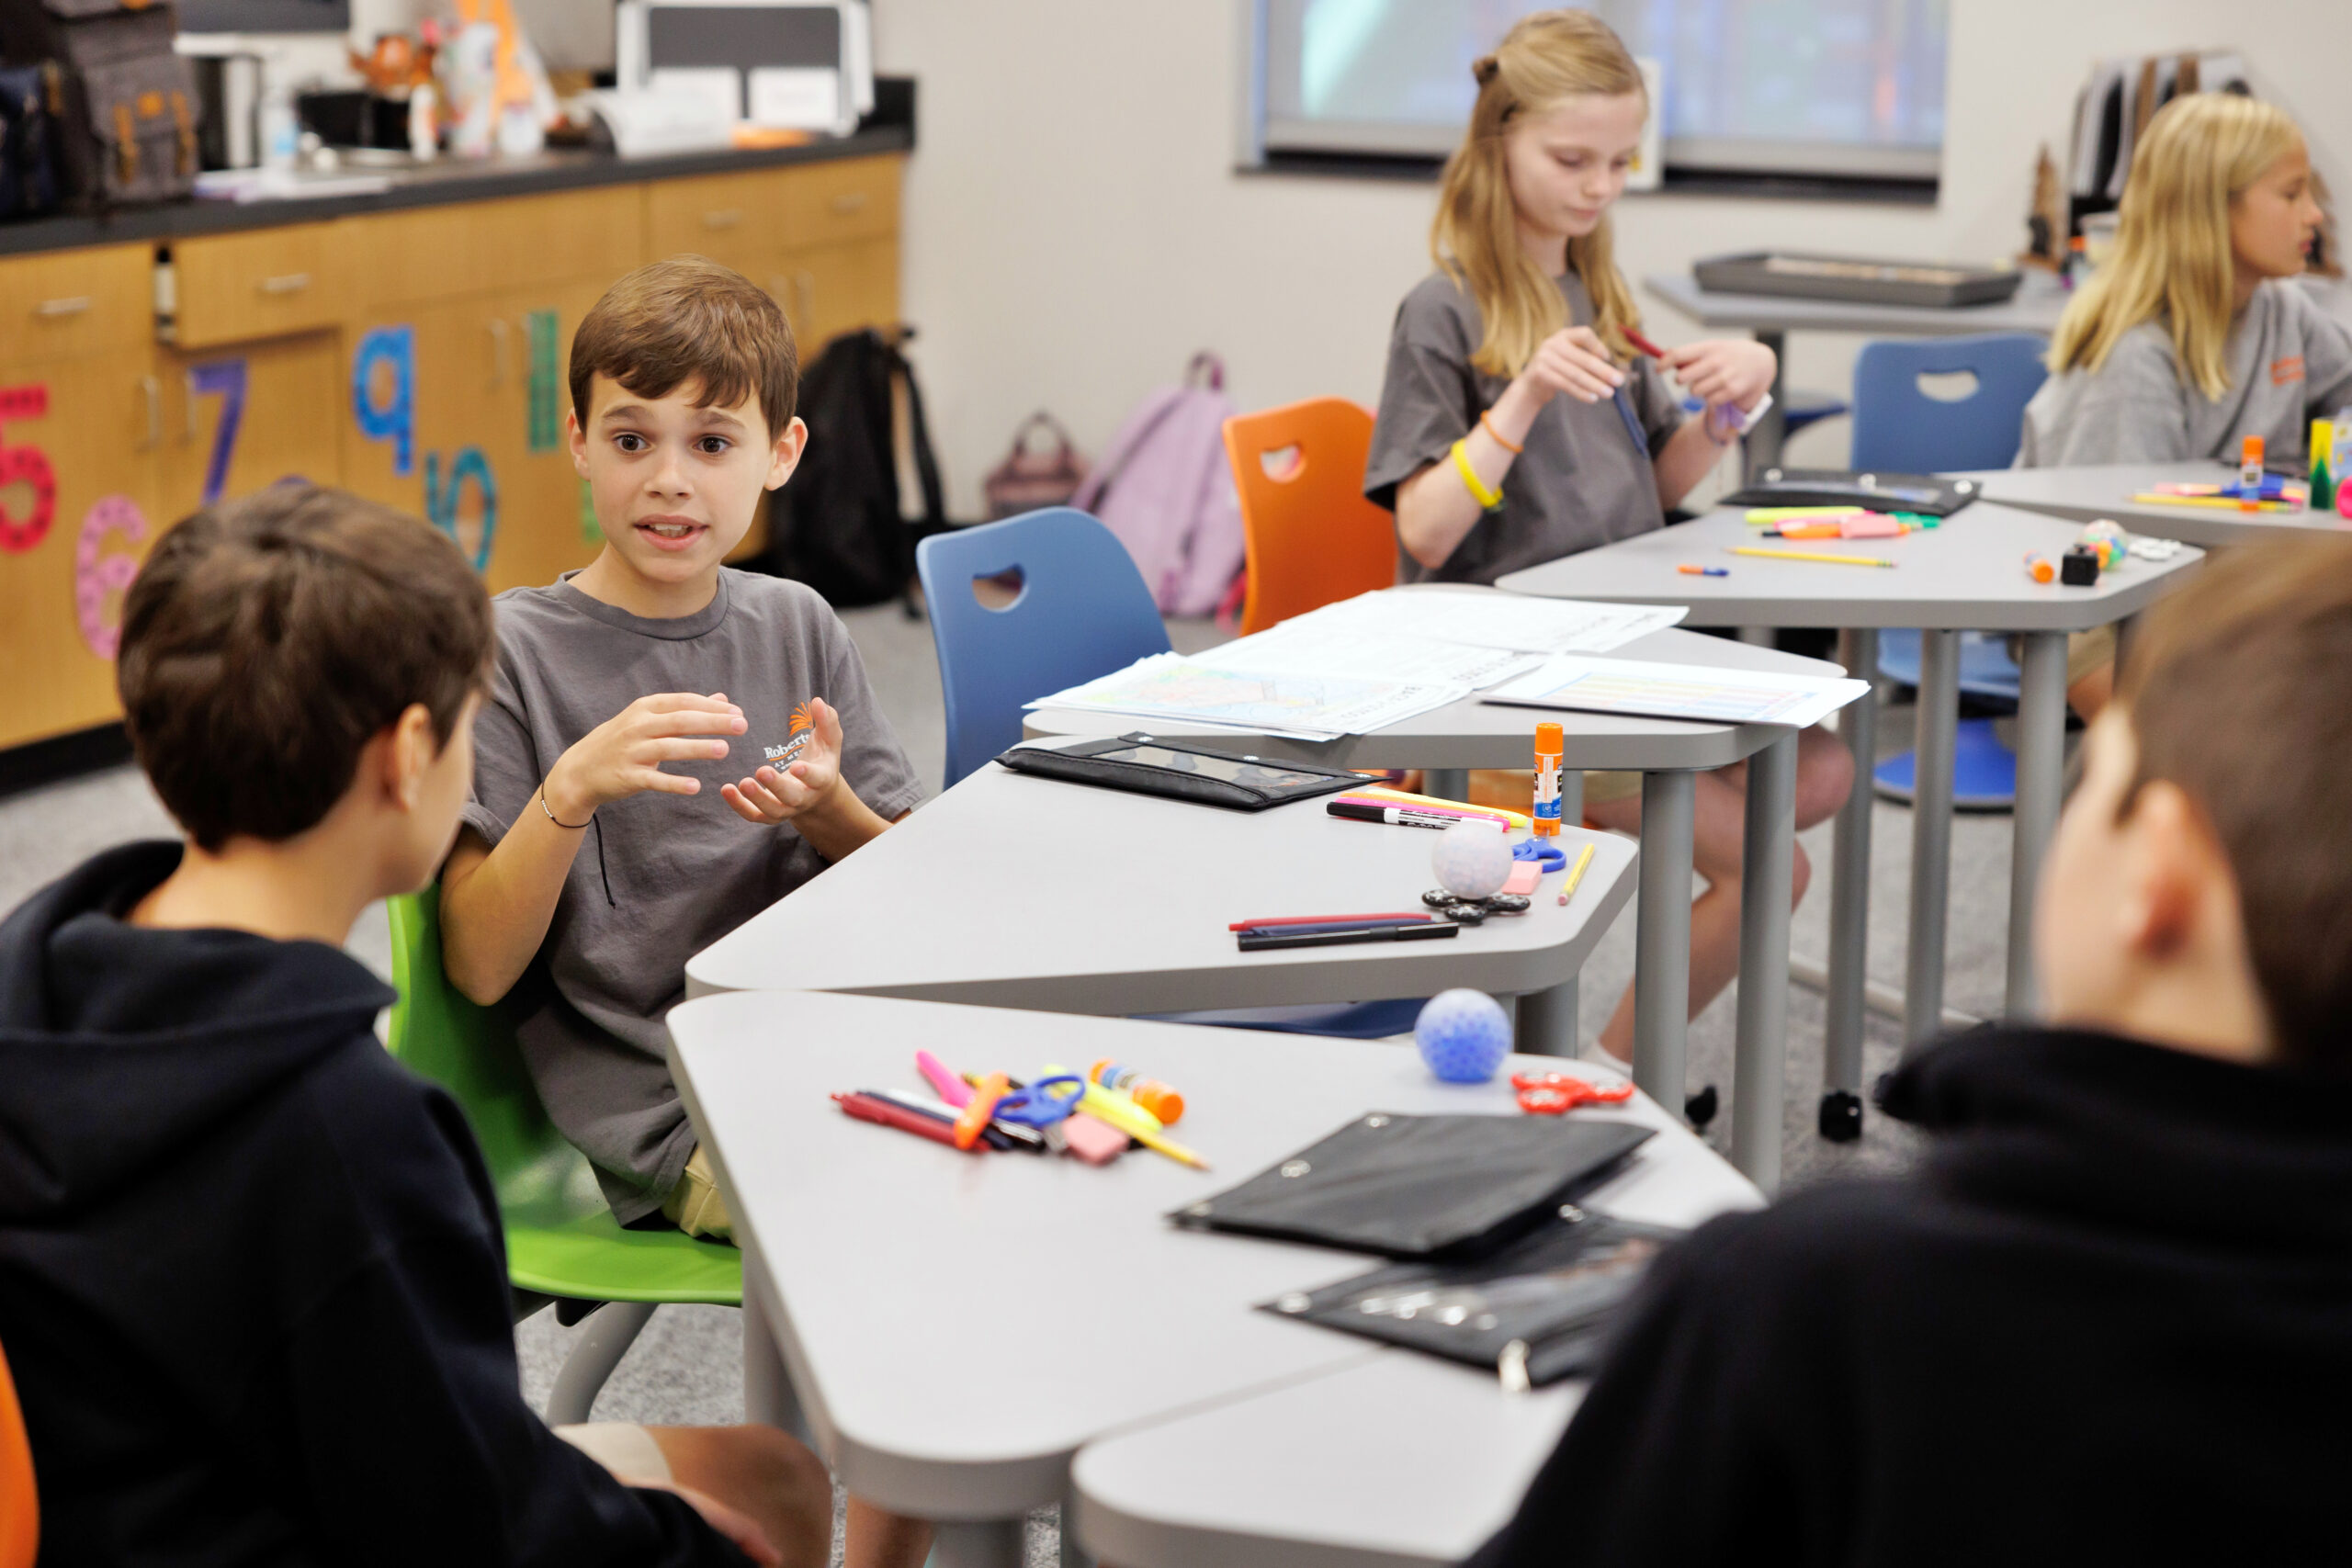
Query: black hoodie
{"x": 2110, "y": 1320}
{"x": 252, "y": 1285}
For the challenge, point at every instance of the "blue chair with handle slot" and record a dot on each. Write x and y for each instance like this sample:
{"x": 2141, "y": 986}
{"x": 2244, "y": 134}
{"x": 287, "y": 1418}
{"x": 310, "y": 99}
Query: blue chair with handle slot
{"x": 1899, "y": 428}
{"x": 1079, "y": 610}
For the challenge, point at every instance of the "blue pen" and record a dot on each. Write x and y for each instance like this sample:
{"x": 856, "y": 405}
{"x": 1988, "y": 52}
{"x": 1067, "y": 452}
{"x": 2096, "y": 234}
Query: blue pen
{"x": 1704, "y": 570}
{"x": 1633, "y": 424}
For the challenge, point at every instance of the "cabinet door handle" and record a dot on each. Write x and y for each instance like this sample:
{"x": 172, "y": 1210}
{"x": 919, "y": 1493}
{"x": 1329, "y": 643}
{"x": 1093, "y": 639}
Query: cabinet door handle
{"x": 498, "y": 335}
{"x": 850, "y": 201}
{"x": 723, "y": 218}
{"x": 72, "y": 305}
{"x": 285, "y": 283}
{"x": 154, "y": 391}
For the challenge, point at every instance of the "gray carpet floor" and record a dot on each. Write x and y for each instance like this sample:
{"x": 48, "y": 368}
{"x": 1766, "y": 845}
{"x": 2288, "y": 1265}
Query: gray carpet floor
{"x": 688, "y": 1368}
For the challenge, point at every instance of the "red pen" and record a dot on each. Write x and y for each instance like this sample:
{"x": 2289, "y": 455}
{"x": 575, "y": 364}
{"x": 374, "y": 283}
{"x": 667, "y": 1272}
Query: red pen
{"x": 867, "y": 1108}
{"x": 1645, "y": 345}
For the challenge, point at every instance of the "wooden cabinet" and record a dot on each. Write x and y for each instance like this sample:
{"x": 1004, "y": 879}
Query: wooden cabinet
{"x": 333, "y": 351}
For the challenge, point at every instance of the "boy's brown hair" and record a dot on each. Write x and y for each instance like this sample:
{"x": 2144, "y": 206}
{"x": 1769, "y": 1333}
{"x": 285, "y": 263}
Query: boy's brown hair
{"x": 2240, "y": 692}
{"x": 689, "y": 319}
{"x": 267, "y": 640}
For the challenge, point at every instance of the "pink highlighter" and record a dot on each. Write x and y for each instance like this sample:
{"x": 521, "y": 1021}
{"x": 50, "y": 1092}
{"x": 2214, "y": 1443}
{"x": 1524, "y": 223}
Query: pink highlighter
{"x": 951, "y": 1088}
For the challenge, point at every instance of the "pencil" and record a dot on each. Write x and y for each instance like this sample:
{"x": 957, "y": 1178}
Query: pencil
{"x": 1810, "y": 554}
{"x": 1169, "y": 1146}
{"x": 1575, "y": 875}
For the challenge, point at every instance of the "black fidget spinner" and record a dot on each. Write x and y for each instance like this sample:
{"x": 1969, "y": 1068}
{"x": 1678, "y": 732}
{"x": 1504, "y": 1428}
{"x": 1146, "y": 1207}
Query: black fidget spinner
{"x": 1474, "y": 912}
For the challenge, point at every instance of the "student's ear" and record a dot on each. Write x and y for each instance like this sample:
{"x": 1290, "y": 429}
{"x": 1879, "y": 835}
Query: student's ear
{"x": 785, "y": 455}
{"x": 2175, "y": 862}
{"x": 577, "y": 439}
{"x": 410, "y": 749}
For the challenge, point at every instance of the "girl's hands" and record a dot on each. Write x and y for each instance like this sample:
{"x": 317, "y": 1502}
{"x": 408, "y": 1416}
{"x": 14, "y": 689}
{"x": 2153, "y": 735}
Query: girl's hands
{"x": 1573, "y": 360}
{"x": 769, "y": 796}
{"x": 1723, "y": 372}
{"x": 624, "y": 754}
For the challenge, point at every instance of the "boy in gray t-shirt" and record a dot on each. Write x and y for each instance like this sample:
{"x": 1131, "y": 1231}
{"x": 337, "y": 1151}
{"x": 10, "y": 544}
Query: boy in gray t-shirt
{"x": 668, "y": 747}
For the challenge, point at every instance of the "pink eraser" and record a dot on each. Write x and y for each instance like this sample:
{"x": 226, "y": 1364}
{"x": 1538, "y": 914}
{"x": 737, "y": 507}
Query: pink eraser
{"x": 1095, "y": 1142}
{"x": 1869, "y": 525}
{"x": 1524, "y": 875}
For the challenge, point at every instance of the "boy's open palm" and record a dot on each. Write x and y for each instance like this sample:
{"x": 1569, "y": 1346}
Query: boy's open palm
{"x": 771, "y": 795}
{"x": 623, "y": 756}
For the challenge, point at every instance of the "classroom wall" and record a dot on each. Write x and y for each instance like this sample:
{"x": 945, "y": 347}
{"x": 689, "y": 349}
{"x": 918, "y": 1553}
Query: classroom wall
{"x": 1075, "y": 228}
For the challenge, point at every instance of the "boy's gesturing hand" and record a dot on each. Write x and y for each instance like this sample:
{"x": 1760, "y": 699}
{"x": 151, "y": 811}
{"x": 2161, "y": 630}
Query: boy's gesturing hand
{"x": 623, "y": 755}
{"x": 769, "y": 796}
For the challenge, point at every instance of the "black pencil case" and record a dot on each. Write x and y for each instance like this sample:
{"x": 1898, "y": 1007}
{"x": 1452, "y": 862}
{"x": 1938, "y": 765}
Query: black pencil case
{"x": 1930, "y": 494}
{"x": 1423, "y": 1185}
{"x": 1535, "y": 1312}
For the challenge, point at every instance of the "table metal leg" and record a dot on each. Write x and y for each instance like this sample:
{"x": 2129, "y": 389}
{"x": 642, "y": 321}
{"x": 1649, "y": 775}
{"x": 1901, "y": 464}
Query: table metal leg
{"x": 1768, "y": 857}
{"x": 1766, "y": 441}
{"x": 1546, "y": 1021}
{"x": 1849, "y": 902}
{"x": 984, "y": 1543}
{"x": 767, "y": 1387}
{"x": 1446, "y": 783}
{"x": 2041, "y": 752}
{"x": 1662, "y": 937}
{"x": 1923, "y": 980}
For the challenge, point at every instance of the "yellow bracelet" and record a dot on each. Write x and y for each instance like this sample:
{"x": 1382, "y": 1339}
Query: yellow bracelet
{"x": 1488, "y": 500}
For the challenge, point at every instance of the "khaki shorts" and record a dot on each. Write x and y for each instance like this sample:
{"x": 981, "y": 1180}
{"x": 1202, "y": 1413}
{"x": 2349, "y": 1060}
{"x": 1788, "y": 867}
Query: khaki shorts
{"x": 2086, "y": 652}
{"x": 621, "y": 1447}
{"x": 1513, "y": 788}
{"x": 694, "y": 1205}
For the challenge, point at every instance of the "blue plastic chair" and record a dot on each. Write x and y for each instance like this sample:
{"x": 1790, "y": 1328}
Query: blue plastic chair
{"x": 1081, "y": 611}
{"x": 1899, "y": 428}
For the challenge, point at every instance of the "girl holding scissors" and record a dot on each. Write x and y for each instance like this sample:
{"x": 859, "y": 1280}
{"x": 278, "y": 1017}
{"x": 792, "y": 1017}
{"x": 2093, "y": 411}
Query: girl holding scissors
{"x": 1524, "y": 418}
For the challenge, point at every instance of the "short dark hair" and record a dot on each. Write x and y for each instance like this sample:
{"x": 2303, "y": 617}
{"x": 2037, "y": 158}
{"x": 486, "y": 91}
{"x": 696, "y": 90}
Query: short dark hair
{"x": 2239, "y": 690}
{"x": 267, "y": 640}
{"x": 689, "y": 319}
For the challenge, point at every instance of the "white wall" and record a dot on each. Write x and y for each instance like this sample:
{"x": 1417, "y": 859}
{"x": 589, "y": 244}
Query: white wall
{"x": 1074, "y": 229}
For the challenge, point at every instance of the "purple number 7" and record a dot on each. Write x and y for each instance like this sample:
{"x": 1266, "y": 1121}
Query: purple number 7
{"x": 226, "y": 377}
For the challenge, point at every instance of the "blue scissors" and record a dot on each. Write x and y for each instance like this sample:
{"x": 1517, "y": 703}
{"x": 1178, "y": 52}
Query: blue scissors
{"x": 1043, "y": 1103}
{"x": 1551, "y": 857}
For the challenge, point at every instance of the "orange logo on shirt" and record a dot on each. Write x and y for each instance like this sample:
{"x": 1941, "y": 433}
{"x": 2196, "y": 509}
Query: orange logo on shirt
{"x": 801, "y": 721}
{"x": 2287, "y": 369}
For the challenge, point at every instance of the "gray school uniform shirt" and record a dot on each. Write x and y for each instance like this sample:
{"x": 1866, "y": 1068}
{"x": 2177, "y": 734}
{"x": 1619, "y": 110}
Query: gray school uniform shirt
{"x": 659, "y": 877}
{"x": 2289, "y": 362}
{"x": 1584, "y": 478}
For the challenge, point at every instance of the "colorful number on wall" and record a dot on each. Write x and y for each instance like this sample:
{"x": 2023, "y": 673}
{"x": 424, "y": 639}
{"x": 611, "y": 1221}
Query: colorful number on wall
{"x": 26, "y": 465}
{"x": 546, "y": 407}
{"x": 227, "y": 379}
{"x": 441, "y": 501}
{"x": 96, "y": 575}
{"x": 394, "y": 419}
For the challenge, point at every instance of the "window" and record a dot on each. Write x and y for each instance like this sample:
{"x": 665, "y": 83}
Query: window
{"x": 1826, "y": 89}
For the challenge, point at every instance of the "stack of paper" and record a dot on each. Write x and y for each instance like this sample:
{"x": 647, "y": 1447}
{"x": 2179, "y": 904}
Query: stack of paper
{"x": 1484, "y": 618}
{"x": 1305, "y": 706}
{"x": 1681, "y": 690}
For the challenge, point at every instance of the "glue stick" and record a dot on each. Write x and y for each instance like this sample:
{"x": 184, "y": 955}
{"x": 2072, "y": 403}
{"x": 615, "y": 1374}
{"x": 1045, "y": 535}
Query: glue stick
{"x": 2250, "y": 467}
{"x": 1150, "y": 1093}
{"x": 1547, "y": 780}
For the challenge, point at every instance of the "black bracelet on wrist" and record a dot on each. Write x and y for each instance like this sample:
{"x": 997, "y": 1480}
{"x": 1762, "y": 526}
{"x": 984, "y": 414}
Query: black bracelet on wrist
{"x": 566, "y": 826}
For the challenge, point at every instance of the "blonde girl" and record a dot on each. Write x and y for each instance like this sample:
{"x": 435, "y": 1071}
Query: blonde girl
{"x": 1518, "y": 424}
{"x": 2192, "y": 334}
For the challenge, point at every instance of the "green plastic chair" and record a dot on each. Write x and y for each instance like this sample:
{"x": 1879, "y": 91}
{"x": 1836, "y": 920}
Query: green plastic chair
{"x": 561, "y": 1239}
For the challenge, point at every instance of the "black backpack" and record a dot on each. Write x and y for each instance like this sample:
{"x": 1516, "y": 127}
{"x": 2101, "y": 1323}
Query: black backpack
{"x": 32, "y": 100}
{"x": 130, "y": 116}
{"x": 838, "y": 526}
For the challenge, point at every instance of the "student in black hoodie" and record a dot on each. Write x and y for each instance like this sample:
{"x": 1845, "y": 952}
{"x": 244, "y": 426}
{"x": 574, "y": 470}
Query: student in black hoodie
{"x": 252, "y": 1278}
{"x": 2109, "y": 1318}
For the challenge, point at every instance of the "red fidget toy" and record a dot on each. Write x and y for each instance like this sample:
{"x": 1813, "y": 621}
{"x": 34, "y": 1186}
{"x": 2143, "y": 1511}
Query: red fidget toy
{"x": 1555, "y": 1094}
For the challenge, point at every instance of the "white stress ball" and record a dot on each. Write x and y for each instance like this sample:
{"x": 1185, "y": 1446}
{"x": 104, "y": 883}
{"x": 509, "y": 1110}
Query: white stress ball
{"x": 1473, "y": 858}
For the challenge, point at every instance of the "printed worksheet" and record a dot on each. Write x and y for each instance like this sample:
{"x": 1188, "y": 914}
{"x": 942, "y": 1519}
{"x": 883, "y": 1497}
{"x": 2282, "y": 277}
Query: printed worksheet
{"x": 1679, "y": 690}
{"x": 1169, "y": 688}
{"x": 1489, "y": 618}
{"x": 1311, "y": 645}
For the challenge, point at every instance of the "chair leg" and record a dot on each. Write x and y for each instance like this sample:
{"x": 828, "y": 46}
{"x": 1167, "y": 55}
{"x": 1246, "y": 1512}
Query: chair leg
{"x": 611, "y": 1329}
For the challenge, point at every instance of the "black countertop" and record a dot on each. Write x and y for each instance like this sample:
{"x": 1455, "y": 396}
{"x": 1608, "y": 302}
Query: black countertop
{"x": 437, "y": 184}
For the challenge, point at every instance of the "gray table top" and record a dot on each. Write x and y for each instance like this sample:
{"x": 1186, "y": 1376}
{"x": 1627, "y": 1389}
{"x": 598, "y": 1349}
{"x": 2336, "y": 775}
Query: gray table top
{"x": 2034, "y": 307}
{"x": 1472, "y": 734}
{"x": 1012, "y": 891}
{"x": 1398, "y": 1460}
{"x": 2086, "y": 494}
{"x": 884, "y": 1261}
{"x": 1967, "y": 575}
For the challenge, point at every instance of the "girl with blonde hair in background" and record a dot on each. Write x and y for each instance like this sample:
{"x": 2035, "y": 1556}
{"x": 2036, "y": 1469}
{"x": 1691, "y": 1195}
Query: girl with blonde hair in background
{"x": 1518, "y": 424}
{"x": 2192, "y": 335}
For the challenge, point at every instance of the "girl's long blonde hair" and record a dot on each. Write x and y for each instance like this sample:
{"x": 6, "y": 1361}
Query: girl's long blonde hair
{"x": 1546, "y": 57}
{"x": 2172, "y": 258}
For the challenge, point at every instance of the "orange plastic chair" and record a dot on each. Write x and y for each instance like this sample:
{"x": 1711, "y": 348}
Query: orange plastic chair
{"x": 19, "y": 1505}
{"x": 1311, "y": 536}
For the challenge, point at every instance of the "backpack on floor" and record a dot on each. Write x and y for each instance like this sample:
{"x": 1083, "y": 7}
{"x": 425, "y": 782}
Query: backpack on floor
{"x": 128, "y": 133}
{"x": 32, "y": 101}
{"x": 840, "y": 525}
{"x": 1165, "y": 489}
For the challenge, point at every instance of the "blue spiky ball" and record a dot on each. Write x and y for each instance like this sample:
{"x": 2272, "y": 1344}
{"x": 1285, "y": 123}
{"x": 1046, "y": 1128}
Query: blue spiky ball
{"x": 1464, "y": 1035}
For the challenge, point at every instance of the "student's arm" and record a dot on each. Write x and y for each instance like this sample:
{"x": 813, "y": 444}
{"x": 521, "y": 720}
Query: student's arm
{"x": 496, "y": 902}
{"x": 1435, "y": 510}
{"x": 2327, "y": 363}
{"x": 1729, "y": 374}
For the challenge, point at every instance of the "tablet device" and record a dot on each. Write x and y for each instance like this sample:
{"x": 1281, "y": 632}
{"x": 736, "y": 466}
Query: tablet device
{"x": 1182, "y": 771}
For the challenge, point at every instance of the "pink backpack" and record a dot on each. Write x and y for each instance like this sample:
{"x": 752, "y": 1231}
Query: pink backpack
{"x": 1164, "y": 489}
